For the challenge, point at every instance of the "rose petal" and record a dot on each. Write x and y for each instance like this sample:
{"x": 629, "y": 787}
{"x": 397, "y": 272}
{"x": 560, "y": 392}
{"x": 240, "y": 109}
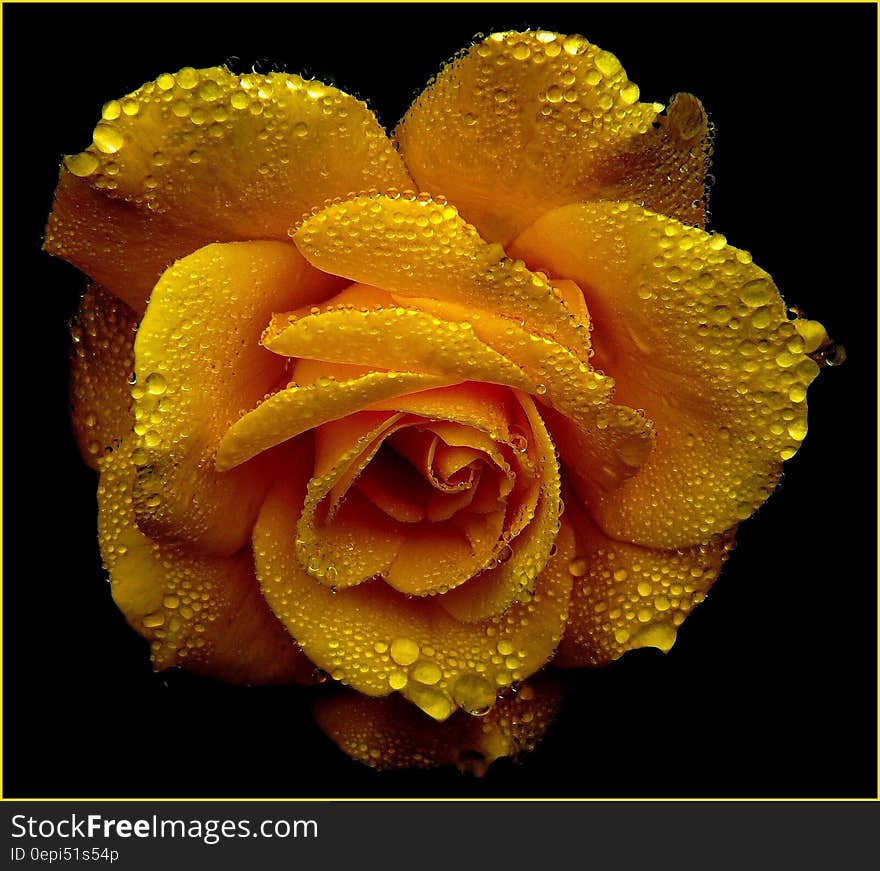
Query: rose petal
{"x": 526, "y": 122}
{"x": 613, "y": 440}
{"x": 346, "y": 547}
{"x": 393, "y": 337}
{"x": 696, "y": 335}
{"x": 199, "y": 363}
{"x": 102, "y": 361}
{"x": 626, "y": 596}
{"x": 296, "y": 410}
{"x": 410, "y": 247}
{"x": 485, "y": 407}
{"x": 494, "y": 591}
{"x": 122, "y": 247}
{"x": 436, "y": 557}
{"x": 470, "y": 284}
{"x": 390, "y": 734}
{"x": 394, "y": 486}
{"x": 427, "y": 446}
{"x": 376, "y": 640}
{"x": 205, "y": 156}
{"x": 204, "y": 613}
{"x": 344, "y": 544}
{"x": 359, "y": 543}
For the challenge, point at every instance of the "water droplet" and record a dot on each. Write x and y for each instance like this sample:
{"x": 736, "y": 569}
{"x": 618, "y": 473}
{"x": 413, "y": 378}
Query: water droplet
{"x": 107, "y": 139}
{"x": 156, "y": 384}
{"x": 813, "y": 334}
{"x": 660, "y": 635}
{"x": 756, "y": 293}
{"x": 578, "y": 567}
{"x": 426, "y": 672}
{"x": 831, "y": 354}
{"x": 404, "y": 651}
{"x": 474, "y": 694}
{"x": 575, "y": 45}
{"x": 607, "y": 63}
{"x": 397, "y": 680}
{"x": 81, "y": 165}
{"x": 629, "y": 93}
{"x": 187, "y": 78}
{"x": 505, "y": 647}
{"x": 433, "y": 702}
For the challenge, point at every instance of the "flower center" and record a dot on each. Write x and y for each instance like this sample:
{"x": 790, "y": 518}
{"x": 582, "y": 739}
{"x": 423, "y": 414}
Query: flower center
{"x": 441, "y": 502}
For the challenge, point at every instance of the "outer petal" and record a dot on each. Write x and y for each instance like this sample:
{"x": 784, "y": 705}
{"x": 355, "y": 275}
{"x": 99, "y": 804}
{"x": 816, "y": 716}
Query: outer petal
{"x": 389, "y": 734}
{"x": 122, "y": 247}
{"x": 199, "y": 364}
{"x": 378, "y": 640}
{"x": 626, "y": 596}
{"x": 697, "y": 336}
{"x": 205, "y": 156}
{"x": 205, "y": 613}
{"x": 526, "y": 122}
{"x": 102, "y": 362}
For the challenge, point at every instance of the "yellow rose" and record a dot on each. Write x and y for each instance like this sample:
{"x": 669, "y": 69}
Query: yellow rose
{"x": 423, "y": 443}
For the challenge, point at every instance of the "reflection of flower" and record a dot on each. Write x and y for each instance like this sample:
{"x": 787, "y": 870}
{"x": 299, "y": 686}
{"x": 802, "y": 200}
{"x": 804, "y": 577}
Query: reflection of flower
{"x": 384, "y": 402}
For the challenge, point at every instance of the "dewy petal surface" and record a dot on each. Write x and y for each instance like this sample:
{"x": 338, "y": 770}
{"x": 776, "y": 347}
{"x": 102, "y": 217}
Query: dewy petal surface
{"x": 525, "y": 122}
{"x": 697, "y": 335}
{"x": 390, "y": 734}
{"x": 528, "y": 552}
{"x": 377, "y": 640}
{"x": 613, "y": 439}
{"x": 119, "y": 246}
{"x": 199, "y": 365}
{"x": 410, "y": 246}
{"x": 391, "y": 336}
{"x": 204, "y": 156}
{"x": 346, "y": 544}
{"x": 102, "y": 361}
{"x": 626, "y": 596}
{"x": 414, "y": 247}
{"x": 205, "y": 613}
{"x": 295, "y": 410}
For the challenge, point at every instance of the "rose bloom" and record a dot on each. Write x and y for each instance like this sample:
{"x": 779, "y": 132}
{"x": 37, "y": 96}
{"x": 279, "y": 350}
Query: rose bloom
{"x": 419, "y": 414}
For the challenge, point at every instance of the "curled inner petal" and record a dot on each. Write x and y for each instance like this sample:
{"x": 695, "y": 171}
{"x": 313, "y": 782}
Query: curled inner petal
{"x": 378, "y": 640}
{"x": 436, "y": 505}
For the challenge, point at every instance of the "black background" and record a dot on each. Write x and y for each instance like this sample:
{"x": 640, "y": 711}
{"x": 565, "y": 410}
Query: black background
{"x": 771, "y": 688}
